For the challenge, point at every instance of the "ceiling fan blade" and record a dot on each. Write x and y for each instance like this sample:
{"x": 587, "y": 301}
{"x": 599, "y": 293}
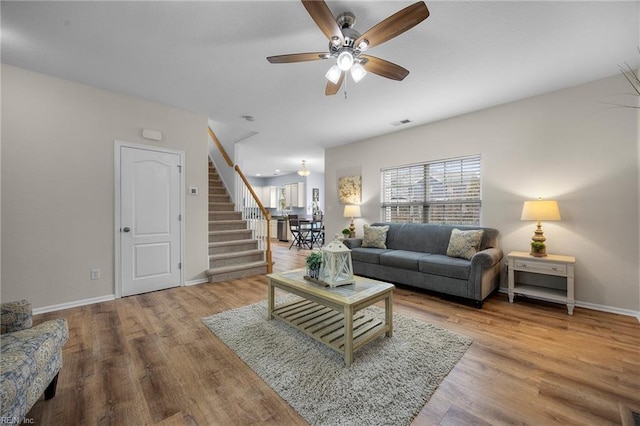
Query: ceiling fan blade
{"x": 331, "y": 88}
{"x": 395, "y": 25}
{"x": 384, "y": 68}
{"x": 323, "y": 18}
{"x": 297, "y": 57}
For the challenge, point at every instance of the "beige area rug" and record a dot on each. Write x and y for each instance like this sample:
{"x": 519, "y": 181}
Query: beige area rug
{"x": 388, "y": 383}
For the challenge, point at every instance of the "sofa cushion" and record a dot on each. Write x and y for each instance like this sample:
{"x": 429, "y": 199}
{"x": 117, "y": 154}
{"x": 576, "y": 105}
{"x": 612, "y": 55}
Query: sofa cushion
{"x": 375, "y": 236}
{"x": 445, "y": 266}
{"x": 464, "y": 244}
{"x": 402, "y": 259}
{"x": 367, "y": 255}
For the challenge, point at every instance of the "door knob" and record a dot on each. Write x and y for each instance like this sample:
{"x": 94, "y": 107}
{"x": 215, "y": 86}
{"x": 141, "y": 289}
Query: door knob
{"x": 127, "y": 229}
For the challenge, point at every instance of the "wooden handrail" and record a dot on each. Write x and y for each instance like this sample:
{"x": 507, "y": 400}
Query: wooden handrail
{"x": 220, "y": 147}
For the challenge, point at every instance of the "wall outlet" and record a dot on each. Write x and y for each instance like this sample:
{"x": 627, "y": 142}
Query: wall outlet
{"x": 95, "y": 274}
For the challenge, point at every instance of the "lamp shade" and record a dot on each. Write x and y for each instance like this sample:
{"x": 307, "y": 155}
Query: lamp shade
{"x": 540, "y": 210}
{"x": 333, "y": 75}
{"x": 351, "y": 211}
{"x": 358, "y": 72}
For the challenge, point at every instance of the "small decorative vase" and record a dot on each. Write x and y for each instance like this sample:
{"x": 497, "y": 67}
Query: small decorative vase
{"x": 538, "y": 250}
{"x": 313, "y": 273}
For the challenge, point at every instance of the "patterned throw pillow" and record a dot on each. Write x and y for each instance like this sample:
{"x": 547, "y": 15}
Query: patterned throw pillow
{"x": 375, "y": 236}
{"x": 464, "y": 244}
{"x": 15, "y": 316}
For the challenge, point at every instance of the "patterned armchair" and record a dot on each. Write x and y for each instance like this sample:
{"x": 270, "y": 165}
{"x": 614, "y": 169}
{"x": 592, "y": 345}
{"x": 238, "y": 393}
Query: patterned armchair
{"x": 30, "y": 359}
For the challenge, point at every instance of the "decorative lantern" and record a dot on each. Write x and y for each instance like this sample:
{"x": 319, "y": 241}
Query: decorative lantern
{"x": 336, "y": 268}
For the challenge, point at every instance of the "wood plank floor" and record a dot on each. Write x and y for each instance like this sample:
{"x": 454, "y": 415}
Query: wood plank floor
{"x": 148, "y": 359}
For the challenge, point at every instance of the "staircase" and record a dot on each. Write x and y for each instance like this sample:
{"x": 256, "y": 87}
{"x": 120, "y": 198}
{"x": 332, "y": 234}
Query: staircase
{"x": 232, "y": 251}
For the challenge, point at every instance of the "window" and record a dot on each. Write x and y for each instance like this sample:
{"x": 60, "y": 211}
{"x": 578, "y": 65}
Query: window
{"x": 444, "y": 191}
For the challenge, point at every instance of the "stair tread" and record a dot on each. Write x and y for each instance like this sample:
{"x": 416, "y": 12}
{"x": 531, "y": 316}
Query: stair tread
{"x": 231, "y": 243}
{"x": 235, "y": 254}
{"x": 232, "y": 268}
{"x": 229, "y": 231}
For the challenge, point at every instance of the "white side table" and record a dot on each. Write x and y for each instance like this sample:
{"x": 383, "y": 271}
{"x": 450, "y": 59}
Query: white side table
{"x": 561, "y": 266}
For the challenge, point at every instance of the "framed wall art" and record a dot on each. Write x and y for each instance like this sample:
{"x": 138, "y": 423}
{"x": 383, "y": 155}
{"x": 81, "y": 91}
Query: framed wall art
{"x": 350, "y": 189}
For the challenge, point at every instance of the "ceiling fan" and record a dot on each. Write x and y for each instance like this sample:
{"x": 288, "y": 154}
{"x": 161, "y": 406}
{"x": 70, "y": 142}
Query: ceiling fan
{"x": 347, "y": 45}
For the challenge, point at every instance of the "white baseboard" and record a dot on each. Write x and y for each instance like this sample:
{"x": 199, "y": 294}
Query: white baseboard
{"x": 597, "y": 307}
{"x": 610, "y": 309}
{"x": 198, "y": 281}
{"x": 74, "y": 304}
{"x": 107, "y": 298}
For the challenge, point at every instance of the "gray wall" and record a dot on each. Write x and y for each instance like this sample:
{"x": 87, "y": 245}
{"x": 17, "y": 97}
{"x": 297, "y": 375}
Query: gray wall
{"x": 566, "y": 145}
{"x": 58, "y": 184}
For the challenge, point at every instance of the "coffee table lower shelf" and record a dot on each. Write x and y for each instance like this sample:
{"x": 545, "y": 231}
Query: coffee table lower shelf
{"x": 328, "y": 326}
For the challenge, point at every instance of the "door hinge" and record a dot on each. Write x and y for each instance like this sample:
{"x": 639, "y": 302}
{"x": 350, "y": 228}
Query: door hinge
{"x": 179, "y": 217}
{"x": 180, "y": 265}
{"x": 179, "y": 168}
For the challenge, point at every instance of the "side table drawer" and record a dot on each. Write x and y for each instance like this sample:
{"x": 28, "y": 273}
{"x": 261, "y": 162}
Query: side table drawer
{"x": 541, "y": 267}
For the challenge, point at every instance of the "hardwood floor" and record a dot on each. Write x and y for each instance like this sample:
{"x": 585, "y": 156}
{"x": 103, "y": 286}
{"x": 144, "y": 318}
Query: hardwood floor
{"x": 148, "y": 359}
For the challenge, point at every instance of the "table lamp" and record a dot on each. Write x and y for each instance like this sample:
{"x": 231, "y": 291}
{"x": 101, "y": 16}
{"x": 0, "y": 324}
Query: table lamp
{"x": 539, "y": 210}
{"x": 352, "y": 211}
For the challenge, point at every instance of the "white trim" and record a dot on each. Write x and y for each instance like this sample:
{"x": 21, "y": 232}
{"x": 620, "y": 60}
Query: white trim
{"x": 117, "y": 266}
{"x": 610, "y": 309}
{"x": 598, "y": 307}
{"x": 198, "y": 281}
{"x": 75, "y": 304}
{"x": 110, "y": 297}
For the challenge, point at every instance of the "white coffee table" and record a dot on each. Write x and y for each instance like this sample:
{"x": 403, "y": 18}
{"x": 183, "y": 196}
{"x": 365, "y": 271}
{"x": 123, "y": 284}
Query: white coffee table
{"x": 331, "y": 315}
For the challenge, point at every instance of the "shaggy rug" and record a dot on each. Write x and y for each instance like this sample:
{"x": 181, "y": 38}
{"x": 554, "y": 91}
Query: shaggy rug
{"x": 388, "y": 383}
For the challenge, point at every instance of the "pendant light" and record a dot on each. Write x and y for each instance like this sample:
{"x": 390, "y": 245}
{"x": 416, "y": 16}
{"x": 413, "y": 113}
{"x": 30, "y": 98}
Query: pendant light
{"x": 303, "y": 171}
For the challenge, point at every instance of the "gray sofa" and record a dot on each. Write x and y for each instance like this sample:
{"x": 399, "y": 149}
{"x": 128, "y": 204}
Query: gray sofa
{"x": 416, "y": 255}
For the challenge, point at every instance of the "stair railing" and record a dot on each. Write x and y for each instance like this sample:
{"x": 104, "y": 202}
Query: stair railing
{"x": 253, "y": 212}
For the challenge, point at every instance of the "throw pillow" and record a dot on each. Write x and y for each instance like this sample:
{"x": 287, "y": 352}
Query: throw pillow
{"x": 375, "y": 236}
{"x": 464, "y": 244}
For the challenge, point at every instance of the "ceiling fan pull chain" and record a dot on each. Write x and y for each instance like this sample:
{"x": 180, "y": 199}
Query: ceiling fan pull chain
{"x": 345, "y": 86}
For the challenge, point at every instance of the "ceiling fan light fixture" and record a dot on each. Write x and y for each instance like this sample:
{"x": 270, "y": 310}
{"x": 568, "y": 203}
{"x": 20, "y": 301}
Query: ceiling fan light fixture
{"x": 346, "y": 44}
{"x": 345, "y": 60}
{"x": 333, "y": 75}
{"x": 358, "y": 72}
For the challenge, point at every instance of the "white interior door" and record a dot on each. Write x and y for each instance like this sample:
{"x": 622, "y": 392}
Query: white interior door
{"x": 149, "y": 222}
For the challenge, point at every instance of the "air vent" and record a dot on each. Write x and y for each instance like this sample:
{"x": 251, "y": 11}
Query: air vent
{"x": 401, "y": 122}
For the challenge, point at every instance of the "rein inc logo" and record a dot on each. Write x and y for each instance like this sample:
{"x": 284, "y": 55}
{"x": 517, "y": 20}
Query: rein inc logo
{"x": 17, "y": 420}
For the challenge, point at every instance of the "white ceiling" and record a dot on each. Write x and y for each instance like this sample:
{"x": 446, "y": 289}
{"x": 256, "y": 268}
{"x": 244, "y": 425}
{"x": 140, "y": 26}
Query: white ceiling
{"x": 209, "y": 57}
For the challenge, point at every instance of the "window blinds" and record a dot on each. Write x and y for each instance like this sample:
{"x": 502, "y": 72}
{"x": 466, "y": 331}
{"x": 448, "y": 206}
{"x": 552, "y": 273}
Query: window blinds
{"x": 444, "y": 191}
